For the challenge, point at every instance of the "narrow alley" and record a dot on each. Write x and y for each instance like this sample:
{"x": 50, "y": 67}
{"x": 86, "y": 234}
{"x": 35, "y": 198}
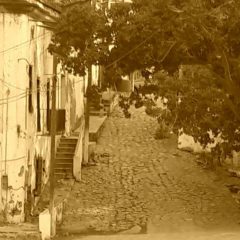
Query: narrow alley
{"x": 146, "y": 185}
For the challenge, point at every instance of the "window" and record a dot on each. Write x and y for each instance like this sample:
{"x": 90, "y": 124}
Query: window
{"x": 30, "y": 102}
{"x": 38, "y": 106}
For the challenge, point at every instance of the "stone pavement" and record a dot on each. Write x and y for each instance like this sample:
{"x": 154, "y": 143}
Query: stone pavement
{"x": 146, "y": 185}
{"x": 166, "y": 236}
{"x": 21, "y": 231}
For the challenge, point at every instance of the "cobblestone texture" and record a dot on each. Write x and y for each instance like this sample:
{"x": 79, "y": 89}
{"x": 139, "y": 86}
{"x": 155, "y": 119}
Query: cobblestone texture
{"x": 140, "y": 181}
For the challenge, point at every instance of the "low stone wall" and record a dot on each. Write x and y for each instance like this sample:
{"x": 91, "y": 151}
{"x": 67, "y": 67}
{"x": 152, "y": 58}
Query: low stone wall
{"x": 45, "y": 221}
{"x": 187, "y": 143}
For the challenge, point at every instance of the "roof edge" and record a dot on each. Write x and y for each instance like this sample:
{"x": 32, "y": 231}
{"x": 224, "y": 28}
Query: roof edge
{"x": 48, "y": 9}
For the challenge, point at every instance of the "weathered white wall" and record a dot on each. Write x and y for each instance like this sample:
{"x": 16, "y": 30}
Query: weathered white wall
{"x": 13, "y": 145}
{"x": 187, "y": 143}
{"x": 95, "y": 74}
{"x": 74, "y": 100}
{"x": 22, "y": 147}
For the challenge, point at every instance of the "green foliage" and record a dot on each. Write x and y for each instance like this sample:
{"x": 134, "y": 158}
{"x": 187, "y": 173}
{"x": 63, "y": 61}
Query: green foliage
{"x": 195, "y": 104}
{"x": 136, "y": 28}
{"x": 169, "y": 33}
{"x": 162, "y": 131}
{"x": 94, "y": 96}
{"x": 112, "y": 76}
{"x": 81, "y": 37}
{"x": 165, "y": 34}
{"x": 125, "y": 105}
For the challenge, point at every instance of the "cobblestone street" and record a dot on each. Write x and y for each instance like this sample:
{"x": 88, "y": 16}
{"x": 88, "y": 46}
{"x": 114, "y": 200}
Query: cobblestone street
{"x": 147, "y": 184}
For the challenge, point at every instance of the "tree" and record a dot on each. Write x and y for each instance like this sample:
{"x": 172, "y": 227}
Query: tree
{"x": 206, "y": 33}
{"x": 81, "y": 37}
{"x": 139, "y": 41}
{"x": 165, "y": 34}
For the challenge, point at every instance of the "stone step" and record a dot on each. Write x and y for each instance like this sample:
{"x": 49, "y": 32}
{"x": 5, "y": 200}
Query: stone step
{"x": 98, "y": 113}
{"x": 91, "y": 147}
{"x": 94, "y": 107}
{"x": 67, "y": 144}
{"x": 106, "y": 102}
{"x": 66, "y": 149}
{"x": 95, "y": 127}
{"x": 68, "y": 140}
{"x": 63, "y": 176}
{"x": 64, "y": 157}
{"x": 63, "y": 160}
{"x": 107, "y": 109}
{"x": 19, "y": 231}
{"x": 64, "y": 170}
{"x": 75, "y": 134}
{"x": 64, "y": 165}
{"x": 65, "y": 154}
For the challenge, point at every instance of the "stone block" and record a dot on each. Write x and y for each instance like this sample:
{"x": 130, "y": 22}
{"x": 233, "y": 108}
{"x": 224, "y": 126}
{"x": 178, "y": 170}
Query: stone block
{"x": 45, "y": 224}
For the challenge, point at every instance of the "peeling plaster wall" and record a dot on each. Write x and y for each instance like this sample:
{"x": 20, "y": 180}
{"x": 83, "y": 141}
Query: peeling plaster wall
{"x": 20, "y": 142}
{"x": 187, "y": 143}
{"x": 13, "y": 140}
{"x": 95, "y": 74}
{"x": 24, "y": 142}
{"x": 74, "y": 104}
{"x": 41, "y": 147}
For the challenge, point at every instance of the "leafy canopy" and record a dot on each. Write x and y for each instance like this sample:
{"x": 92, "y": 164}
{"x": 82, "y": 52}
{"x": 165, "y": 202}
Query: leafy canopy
{"x": 165, "y": 34}
{"x": 81, "y": 37}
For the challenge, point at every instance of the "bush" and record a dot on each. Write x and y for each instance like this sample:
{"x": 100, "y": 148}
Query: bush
{"x": 163, "y": 131}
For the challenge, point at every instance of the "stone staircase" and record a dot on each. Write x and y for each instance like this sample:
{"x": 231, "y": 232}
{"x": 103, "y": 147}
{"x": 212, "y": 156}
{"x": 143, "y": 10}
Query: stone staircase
{"x": 64, "y": 157}
{"x": 93, "y": 111}
{"x": 105, "y": 105}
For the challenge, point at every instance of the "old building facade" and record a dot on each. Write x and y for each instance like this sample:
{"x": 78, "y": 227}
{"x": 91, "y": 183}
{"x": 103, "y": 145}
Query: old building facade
{"x": 26, "y": 73}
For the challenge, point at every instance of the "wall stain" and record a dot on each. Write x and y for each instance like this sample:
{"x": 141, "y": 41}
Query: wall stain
{"x": 20, "y": 174}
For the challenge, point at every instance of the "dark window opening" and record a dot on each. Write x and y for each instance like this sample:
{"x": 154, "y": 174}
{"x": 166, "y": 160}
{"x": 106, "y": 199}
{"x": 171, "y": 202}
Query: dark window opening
{"x": 30, "y": 102}
{"x": 38, "y": 106}
{"x": 48, "y": 102}
{"x": 60, "y": 115}
{"x": 60, "y": 120}
{"x": 39, "y": 173}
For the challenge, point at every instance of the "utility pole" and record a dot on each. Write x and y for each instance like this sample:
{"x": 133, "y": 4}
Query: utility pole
{"x": 87, "y": 108}
{"x": 52, "y": 162}
{"x": 87, "y": 118}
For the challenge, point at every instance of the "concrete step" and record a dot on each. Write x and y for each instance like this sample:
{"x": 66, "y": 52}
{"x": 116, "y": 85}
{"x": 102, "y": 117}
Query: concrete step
{"x": 63, "y": 176}
{"x": 75, "y": 134}
{"x": 107, "y": 109}
{"x": 64, "y": 165}
{"x": 98, "y": 113}
{"x": 68, "y": 140}
{"x": 91, "y": 147}
{"x": 65, "y": 154}
{"x": 63, "y": 170}
{"x": 64, "y": 160}
{"x": 20, "y": 231}
{"x": 67, "y": 144}
{"x": 95, "y": 127}
{"x": 66, "y": 149}
{"x": 94, "y": 107}
{"x": 64, "y": 157}
{"x": 106, "y": 102}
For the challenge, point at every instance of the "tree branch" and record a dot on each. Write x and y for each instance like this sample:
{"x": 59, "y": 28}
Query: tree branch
{"x": 168, "y": 51}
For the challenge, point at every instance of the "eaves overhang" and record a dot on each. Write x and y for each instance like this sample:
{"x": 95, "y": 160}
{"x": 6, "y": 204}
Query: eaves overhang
{"x": 36, "y": 9}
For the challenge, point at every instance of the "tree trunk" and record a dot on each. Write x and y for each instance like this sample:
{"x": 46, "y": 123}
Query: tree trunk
{"x": 52, "y": 163}
{"x": 87, "y": 118}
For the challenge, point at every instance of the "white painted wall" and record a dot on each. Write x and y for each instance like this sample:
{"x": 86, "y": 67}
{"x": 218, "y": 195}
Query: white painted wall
{"x": 187, "y": 143}
{"x": 74, "y": 102}
{"x": 16, "y": 31}
{"x": 13, "y": 30}
{"x": 21, "y": 149}
{"x": 95, "y": 74}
